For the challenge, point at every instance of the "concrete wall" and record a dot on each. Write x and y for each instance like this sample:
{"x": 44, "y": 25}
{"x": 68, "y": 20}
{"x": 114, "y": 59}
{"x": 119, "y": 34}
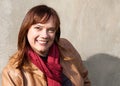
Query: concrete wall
{"x": 93, "y": 27}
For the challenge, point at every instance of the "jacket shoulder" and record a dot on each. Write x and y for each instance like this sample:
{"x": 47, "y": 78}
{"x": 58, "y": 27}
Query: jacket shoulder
{"x": 67, "y": 48}
{"x": 11, "y": 76}
{"x": 11, "y": 70}
{"x": 64, "y": 42}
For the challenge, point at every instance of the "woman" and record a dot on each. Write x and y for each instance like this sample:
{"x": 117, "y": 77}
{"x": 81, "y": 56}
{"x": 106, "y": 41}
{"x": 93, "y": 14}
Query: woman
{"x": 43, "y": 58}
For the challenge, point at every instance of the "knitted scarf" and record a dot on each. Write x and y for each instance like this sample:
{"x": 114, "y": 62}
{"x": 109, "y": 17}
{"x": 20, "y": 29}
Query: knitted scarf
{"x": 51, "y": 68}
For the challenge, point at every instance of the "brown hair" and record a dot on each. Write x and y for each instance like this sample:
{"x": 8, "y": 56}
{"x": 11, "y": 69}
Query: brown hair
{"x": 37, "y": 14}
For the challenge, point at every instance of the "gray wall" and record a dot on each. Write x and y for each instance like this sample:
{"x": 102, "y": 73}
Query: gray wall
{"x": 93, "y": 27}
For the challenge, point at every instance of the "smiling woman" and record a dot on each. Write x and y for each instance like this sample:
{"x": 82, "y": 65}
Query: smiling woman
{"x": 41, "y": 36}
{"x": 43, "y": 58}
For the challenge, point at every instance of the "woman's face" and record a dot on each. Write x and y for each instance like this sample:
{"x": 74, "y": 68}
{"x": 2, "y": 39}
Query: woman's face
{"x": 41, "y": 36}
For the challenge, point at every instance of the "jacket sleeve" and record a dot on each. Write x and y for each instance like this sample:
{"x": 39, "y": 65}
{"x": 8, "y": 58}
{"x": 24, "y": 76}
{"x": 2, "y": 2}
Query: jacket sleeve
{"x": 10, "y": 77}
{"x": 85, "y": 77}
{"x": 77, "y": 60}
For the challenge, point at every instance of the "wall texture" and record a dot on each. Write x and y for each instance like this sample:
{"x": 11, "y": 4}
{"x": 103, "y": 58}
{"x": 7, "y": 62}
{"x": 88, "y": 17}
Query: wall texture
{"x": 93, "y": 27}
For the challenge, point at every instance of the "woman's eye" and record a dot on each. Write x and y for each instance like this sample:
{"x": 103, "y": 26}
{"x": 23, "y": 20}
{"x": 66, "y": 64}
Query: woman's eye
{"x": 51, "y": 30}
{"x": 38, "y": 28}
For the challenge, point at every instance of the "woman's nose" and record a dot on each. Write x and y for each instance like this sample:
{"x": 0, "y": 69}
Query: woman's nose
{"x": 44, "y": 34}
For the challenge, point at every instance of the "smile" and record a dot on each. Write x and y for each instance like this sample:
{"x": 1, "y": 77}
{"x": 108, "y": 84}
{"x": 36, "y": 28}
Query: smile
{"x": 42, "y": 42}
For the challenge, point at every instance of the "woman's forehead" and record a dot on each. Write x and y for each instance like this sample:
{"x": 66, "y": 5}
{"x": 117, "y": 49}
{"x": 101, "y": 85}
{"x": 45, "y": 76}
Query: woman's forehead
{"x": 49, "y": 23}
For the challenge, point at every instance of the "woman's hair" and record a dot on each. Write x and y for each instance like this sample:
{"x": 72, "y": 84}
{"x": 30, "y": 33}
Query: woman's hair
{"x": 37, "y": 14}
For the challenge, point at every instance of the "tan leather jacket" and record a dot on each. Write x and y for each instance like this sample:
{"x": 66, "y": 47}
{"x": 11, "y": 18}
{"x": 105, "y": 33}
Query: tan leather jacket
{"x": 70, "y": 61}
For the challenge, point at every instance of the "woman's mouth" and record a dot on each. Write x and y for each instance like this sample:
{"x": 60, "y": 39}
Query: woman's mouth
{"x": 42, "y": 42}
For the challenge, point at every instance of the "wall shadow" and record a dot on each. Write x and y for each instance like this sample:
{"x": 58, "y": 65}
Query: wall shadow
{"x": 104, "y": 70}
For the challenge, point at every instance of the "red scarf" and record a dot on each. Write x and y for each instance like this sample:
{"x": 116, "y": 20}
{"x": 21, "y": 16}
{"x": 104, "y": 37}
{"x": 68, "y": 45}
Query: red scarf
{"x": 52, "y": 68}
